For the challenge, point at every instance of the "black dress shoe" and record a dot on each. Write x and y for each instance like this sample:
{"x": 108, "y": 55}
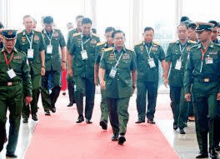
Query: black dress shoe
{"x": 11, "y": 155}
{"x": 25, "y": 120}
{"x": 115, "y": 137}
{"x": 213, "y": 154}
{"x": 103, "y": 124}
{"x": 202, "y": 155}
{"x": 140, "y": 121}
{"x": 150, "y": 121}
{"x": 182, "y": 131}
{"x": 70, "y": 105}
{"x": 88, "y": 121}
{"x": 34, "y": 117}
{"x": 175, "y": 126}
{"x": 53, "y": 109}
{"x": 80, "y": 119}
{"x": 47, "y": 113}
{"x": 121, "y": 139}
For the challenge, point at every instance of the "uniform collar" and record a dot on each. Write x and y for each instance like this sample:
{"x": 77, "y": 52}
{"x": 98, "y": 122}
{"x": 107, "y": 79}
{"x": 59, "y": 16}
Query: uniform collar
{"x": 149, "y": 44}
{"x": 5, "y": 50}
{"x": 211, "y": 45}
{"x": 123, "y": 50}
{"x": 106, "y": 45}
{"x": 24, "y": 32}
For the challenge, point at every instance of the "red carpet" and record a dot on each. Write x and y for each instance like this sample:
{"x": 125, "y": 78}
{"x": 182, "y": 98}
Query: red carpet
{"x": 59, "y": 137}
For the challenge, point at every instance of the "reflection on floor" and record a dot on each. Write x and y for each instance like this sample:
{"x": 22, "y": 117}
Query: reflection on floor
{"x": 185, "y": 145}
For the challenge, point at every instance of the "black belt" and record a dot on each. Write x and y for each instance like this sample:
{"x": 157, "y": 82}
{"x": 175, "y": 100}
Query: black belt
{"x": 9, "y": 83}
{"x": 206, "y": 79}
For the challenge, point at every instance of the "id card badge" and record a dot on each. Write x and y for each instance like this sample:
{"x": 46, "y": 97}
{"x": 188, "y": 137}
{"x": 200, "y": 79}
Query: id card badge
{"x": 11, "y": 73}
{"x": 84, "y": 54}
{"x": 30, "y": 53}
{"x": 49, "y": 49}
{"x": 113, "y": 72}
{"x": 209, "y": 60}
{"x": 178, "y": 65}
{"x": 151, "y": 63}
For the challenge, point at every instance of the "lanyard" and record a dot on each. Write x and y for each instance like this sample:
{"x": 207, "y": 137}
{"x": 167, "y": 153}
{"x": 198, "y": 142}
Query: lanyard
{"x": 6, "y": 59}
{"x": 50, "y": 39}
{"x": 202, "y": 58}
{"x": 181, "y": 51}
{"x": 82, "y": 43}
{"x": 148, "y": 51}
{"x": 30, "y": 41}
{"x": 117, "y": 61}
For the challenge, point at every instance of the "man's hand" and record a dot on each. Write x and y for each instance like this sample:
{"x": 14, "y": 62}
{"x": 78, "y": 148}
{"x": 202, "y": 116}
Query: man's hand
{"x": 42, "y": 71}
{"x": 28, "y": 100}
{"x": 218, "y": 96}
{"x": 166, "y": 82}
{"x": 96, "y": 81}
{"x": 188, "y": 97}
{"x": 70, "y": 72}
{"x": 102, "y": 83}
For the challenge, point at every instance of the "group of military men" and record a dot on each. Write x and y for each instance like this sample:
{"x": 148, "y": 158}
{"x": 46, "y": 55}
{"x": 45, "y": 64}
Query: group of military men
{"x": 190, "y": 67}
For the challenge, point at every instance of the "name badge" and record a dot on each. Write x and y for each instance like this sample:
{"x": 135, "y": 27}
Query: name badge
{"x": 49, "y": 49}
{"x": 178, "y": 65}
{"x": 30, "y": 53}
{"x": 84, "y": 55}
{"x": 209, "y": 60}
{"x": 11, "y": 73}
{"x": 113, "y": 72}
{"x": 151, "y": 63}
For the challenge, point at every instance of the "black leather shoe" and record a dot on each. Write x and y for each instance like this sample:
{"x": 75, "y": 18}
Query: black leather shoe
{"x": 121, "y": 139}
{"x": 34, "y": 117}
{"x": 53, "y": 109}
{"x": 11, "y": 155}
{"x": 47, "y": 113}
{"x": 80, "y": 119}
{"x": 202, "y": 155}
{"x": 140, "y": 121}
{"x": 70, "y": 105}
{"x": 175, "y": 126}
{"x": 115, "y": 137}
{"x": 25, "y": 120}
{"x": 182, "y": 131}
{"x": 88, "y": 121}
{"x": 150, "y": 121}
{"x": 103, "y": 124}
{"x": 213, "y": 154}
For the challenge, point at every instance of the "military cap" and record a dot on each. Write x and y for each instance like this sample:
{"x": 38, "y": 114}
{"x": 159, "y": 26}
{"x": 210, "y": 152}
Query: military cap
{"x": 202, "y": 26}
{"x": 9, "y": 34}
{"x": 216, "y": 24}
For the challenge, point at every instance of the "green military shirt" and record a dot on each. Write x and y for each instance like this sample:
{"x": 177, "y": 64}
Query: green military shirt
{"x": 84, "y": 68}
{"x": 143, "y": 54}
{"x": 38, "y": 45}
{"x": 21, "y": 68}
{"x": 99, "y": 50}
{"x": 56, "y": 39}
{"x": 174, "y": 55}
{"x": 201, "y": 69}
{"x": 121, "y": 85}
{"x": 70, "y": 36}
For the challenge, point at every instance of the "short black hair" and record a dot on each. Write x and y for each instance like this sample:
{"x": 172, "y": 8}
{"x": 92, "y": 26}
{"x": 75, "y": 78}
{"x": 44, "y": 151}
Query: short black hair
{"x": 192, "y": 26}
{"x": 79, "y": 16}
{"x": 117, "y": 31}
{"x": 109, "y": 29}
{"x": 148, "y": 28}
{"x": 214, "y": 22}
{"x": 184, "y": 18}
{"x": 86, "y": 21}
{"x": 182, "y": 24}
{"x": 48, "y": 20}
{"x": 94, "y": 30}
{"x": 1, "y": 25}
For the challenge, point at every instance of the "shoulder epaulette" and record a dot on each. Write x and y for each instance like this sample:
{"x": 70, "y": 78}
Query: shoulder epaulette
{"x": 76, "y": 34}
{"x": 108, "y": 49}
{"x": 100, "y": 43}
{"x": 95, "y": 35}
{"x": 128, "y": 49}
{"x": 157, "y": 43}
{"x": 190, "y": 41}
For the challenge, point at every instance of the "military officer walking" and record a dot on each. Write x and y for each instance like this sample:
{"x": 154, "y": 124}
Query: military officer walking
{"x": 202, "y": 77}
{"x": 83, "y": 49}
{"x": 99, "y": 50}
{"x": 32, "y": 43}
{"x": 15, "y": 84}
{"x": 117, "y": 76}
{"x": 177, "y": 53}
{"x": 148, "y": 55}
{"x": 70, "y": 79}
{"x": 54, "y": 41}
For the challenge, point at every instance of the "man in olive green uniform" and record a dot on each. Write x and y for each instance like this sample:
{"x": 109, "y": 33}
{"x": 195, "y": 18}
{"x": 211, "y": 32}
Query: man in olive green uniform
{"x": 202, "y": 77}
{"x": 148, "y": 55}
{"x": 117, "y": 76}
{"x": 177, "y": 53}
{"x": 32, "y": 43}
{"x": 15, "y": 84}
{"x": 99, "y": 50}
{"x": 83, "y": 49}
{"x": 54, "y": 41}
{"x": 70, "y": 79}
